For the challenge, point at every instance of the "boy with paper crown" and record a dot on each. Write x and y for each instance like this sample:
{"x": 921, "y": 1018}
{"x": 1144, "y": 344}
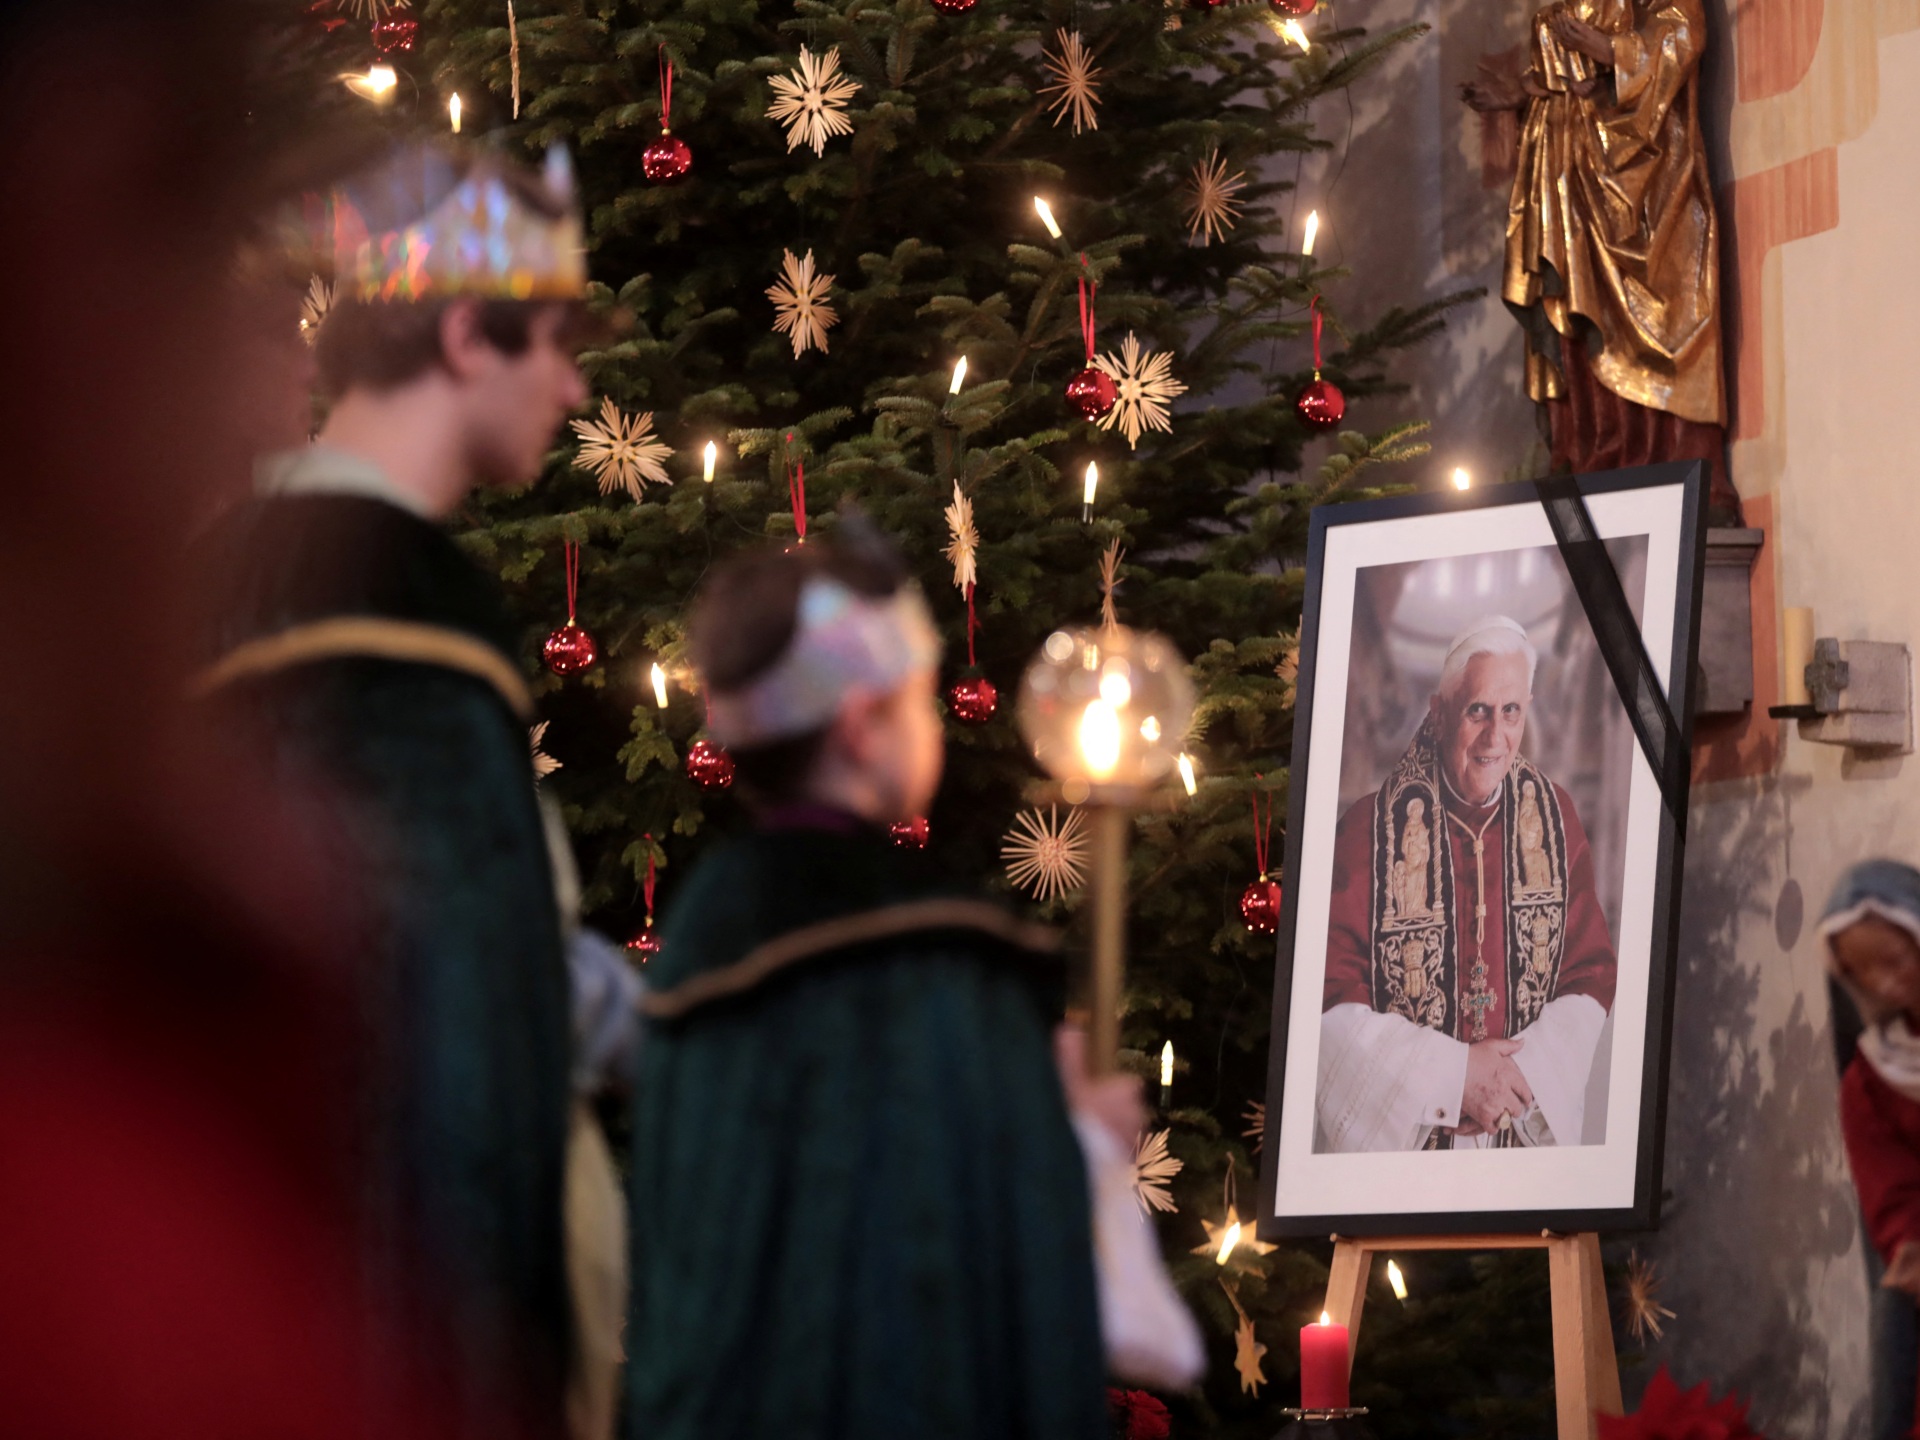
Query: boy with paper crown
{"x": 858, "y": 1207}
{"x": 376, "y": 666}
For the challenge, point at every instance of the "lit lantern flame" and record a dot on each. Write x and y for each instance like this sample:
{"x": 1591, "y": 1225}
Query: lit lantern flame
{"x": 659, "y": 686}
{"x": 712, "y": 454}
{"x": 1100, "y": 739}
{"x": 1313, "y": 232}
{"x": 375, "y": 85}
{"x": 453, "y": 113}
{"x": 1116, "y": 689}
{"x": 1228, "y": 1241}
{"x": 959, "y": 376}
{"x": 1166, "y": 1065}
{"x": 1045, "y": 212}
{"x": 1397, "y": 1280}
{"x": 1291, "y": 29}
{"x": 1150, "y": 729}
{"x": 1462, "y": 478}
{"x": 1187, "y": 776}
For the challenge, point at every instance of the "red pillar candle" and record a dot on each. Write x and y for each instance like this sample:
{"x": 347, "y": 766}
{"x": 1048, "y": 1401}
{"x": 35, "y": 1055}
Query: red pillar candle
{"x": 1323, "y": 1365}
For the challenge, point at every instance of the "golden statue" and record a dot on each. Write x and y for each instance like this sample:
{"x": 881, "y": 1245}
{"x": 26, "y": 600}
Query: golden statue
{"x": 1537, "y": 874}
{"x": 1416, "y": 847}
{"x": 1612, "y": 262}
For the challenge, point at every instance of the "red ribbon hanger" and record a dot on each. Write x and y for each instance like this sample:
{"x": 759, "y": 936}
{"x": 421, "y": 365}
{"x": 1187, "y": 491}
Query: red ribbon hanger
{"x": 1088, "y": 294}
{"x": 1319, "y": 320}
{"x": 797, "y": 492}
{"x": 666, "y": 91}
{"x": 1262, "y": 831}
{"x": 571, "y": 549}
{"x": 647, "y": 888}
{"x": 973, "y": 624}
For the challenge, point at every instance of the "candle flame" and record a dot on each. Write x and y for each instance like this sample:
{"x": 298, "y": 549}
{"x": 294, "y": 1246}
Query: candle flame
{"x": 1166, "y": 1064}
{"x": 959, "y": 376}
{"x": 1100, "y": 739}
{"x": 1462, "y": 478}
{"x": 453, "y": 112}
{"x": 1045, "y": 212}
{"x": 1291, "y": 29}
{"x": 1313, "y": 232}
{"x": 712, "y": 454}
{"x": 1231, "y": 1239}
{"x": 1325, "y": 1318}
{"x": 1093, "y": 482}
{"x": 375, "y": 85}
{"x": 659, "y": 686}
{"x": 1187, "y": 776}
{"x": 1397, "y": 1280}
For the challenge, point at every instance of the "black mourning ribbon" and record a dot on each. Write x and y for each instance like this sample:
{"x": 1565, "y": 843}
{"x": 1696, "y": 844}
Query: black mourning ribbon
{"x": 1622, "y": 646}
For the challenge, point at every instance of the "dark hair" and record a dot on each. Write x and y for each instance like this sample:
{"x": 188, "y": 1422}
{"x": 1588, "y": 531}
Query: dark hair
{"x": 379, "y": 345}
{"x": 744, "y": 618}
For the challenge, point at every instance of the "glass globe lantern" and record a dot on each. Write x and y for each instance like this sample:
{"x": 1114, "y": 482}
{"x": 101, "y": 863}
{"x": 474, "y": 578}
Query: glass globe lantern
{"x": 1105, "y": 711}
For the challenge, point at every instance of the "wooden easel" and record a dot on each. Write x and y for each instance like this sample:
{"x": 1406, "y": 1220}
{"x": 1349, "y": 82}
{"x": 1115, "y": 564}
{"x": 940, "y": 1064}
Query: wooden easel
{"x": 1586, "y": 1374}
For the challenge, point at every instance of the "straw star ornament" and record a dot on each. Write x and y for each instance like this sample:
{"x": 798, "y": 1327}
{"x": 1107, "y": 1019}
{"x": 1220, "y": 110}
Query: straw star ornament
{"x": 964, "y": 548}
{"x": 372, "y": 9}
{"x": 1075, "y": 82}
{"x": 622, "y": 453}
{"x": 812, "y": 102}
{"x": 314, "y": 307}
{"x": 1046, "y": 856}
{"x": 1146, "y": 390}
{"x": 1213, "y": 211}
{"x": 1110, "y": 560}
{"x": 1644, "y": 1310}
{"x": 543, "y": 763}
{"x": 1154, "y": 1167}
{"x": 801, "y": 312}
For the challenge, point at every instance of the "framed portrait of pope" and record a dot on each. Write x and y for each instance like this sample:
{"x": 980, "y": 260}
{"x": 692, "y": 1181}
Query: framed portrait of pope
{"x": 1474, "y": 973}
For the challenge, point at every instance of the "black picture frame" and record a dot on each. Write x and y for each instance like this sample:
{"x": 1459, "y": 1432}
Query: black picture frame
{"x": 1649, "y": 1125}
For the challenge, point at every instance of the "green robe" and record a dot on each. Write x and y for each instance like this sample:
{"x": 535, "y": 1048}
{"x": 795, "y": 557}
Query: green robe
{"x": 417, "y": 788}
{"x": 859, "y": 1209}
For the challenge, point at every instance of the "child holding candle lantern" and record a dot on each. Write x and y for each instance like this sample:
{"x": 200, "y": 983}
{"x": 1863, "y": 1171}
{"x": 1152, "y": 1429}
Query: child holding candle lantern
{"x": 859, "y": 1207}
{"x": 1872, "y": 932}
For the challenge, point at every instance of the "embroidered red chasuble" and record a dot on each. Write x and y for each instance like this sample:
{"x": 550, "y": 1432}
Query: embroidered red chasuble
{"x": 1467, "y": 989}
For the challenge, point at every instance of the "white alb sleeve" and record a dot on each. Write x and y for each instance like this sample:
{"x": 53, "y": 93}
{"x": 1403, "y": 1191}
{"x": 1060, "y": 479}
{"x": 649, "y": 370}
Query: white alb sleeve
{"x": 1557, "y": 1057}
{"x": 1151, "y": 1338}
{"x": 1385, "y": 1081}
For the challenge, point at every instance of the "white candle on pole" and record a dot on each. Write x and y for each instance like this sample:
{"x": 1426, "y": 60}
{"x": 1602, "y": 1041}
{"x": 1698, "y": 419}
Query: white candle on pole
{"x": 1045, "y": 213}
{"x": 712, "y": 454}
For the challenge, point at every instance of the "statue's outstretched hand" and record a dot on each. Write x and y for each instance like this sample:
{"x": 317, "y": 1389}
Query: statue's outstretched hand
{"x": 1492, "y": 93}
{"x": 1578, "y": 35}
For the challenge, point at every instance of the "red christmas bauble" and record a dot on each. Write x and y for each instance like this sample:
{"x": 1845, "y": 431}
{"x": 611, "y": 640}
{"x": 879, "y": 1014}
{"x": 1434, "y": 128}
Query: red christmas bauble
{"x": 1092, "y": 392}
{"x": 973, "y": 699}
{"x": 667, "y": 159}
{"x": 954, "y": 7}
{"x": 394, "y": 35}
{"x": 1320, "y": 405}
{"x": 1299, "y": 9}
{"x": 1260, "y": 906}
{"x": 569, "y": 650}
{"x": 910, "y": 834}
{"x": 708, "y": 766}
{"x": 644, "y": 946}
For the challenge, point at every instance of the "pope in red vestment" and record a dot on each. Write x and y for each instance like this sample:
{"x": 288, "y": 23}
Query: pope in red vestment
{"x": 1469, "y": 967}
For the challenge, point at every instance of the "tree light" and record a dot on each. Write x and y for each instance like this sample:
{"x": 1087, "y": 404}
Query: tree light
{"x": 659, "y": 686}
{"x": 1313, "y": 232}
{"x": 1086, "y": 497}
{"x": 712, "y": 454}
{"x": 1291, "y": 29}
{"x": 1046, "y": 217}
{"x": 1462, "y": 478}
{"x": 1187, "y": 777}
{"x": 1166, "y": 1065}
{"x": 453, "y": 113}
{"x": 959, "y": 376}
{"x": 1397, "y": 1280}
{"x": 375, "y": 85}
{"x": 1231, "y": 1239}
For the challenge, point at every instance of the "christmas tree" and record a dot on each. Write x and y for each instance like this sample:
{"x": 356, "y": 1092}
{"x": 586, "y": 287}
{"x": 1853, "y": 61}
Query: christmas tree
{"x": 856, "y": 216}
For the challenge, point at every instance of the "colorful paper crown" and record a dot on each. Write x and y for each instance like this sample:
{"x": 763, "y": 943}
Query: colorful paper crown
{"x": 436, "y": 224}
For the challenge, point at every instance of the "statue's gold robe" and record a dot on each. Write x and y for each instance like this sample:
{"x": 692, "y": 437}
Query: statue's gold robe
{"x": 1611, "y": 221}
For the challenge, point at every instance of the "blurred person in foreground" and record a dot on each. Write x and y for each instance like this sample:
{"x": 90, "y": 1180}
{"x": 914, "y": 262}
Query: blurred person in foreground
{"x": 176, "y": 1258}
{"x": 375, "y": 662}
{"x": 1872, "y": 934}
{"x": 858, "y": 1205}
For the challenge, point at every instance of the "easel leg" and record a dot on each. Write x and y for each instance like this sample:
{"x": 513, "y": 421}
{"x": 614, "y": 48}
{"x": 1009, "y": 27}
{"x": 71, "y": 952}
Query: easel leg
{"x": 1586, "y": 1375}
{"x": 1347, "y": 1289}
